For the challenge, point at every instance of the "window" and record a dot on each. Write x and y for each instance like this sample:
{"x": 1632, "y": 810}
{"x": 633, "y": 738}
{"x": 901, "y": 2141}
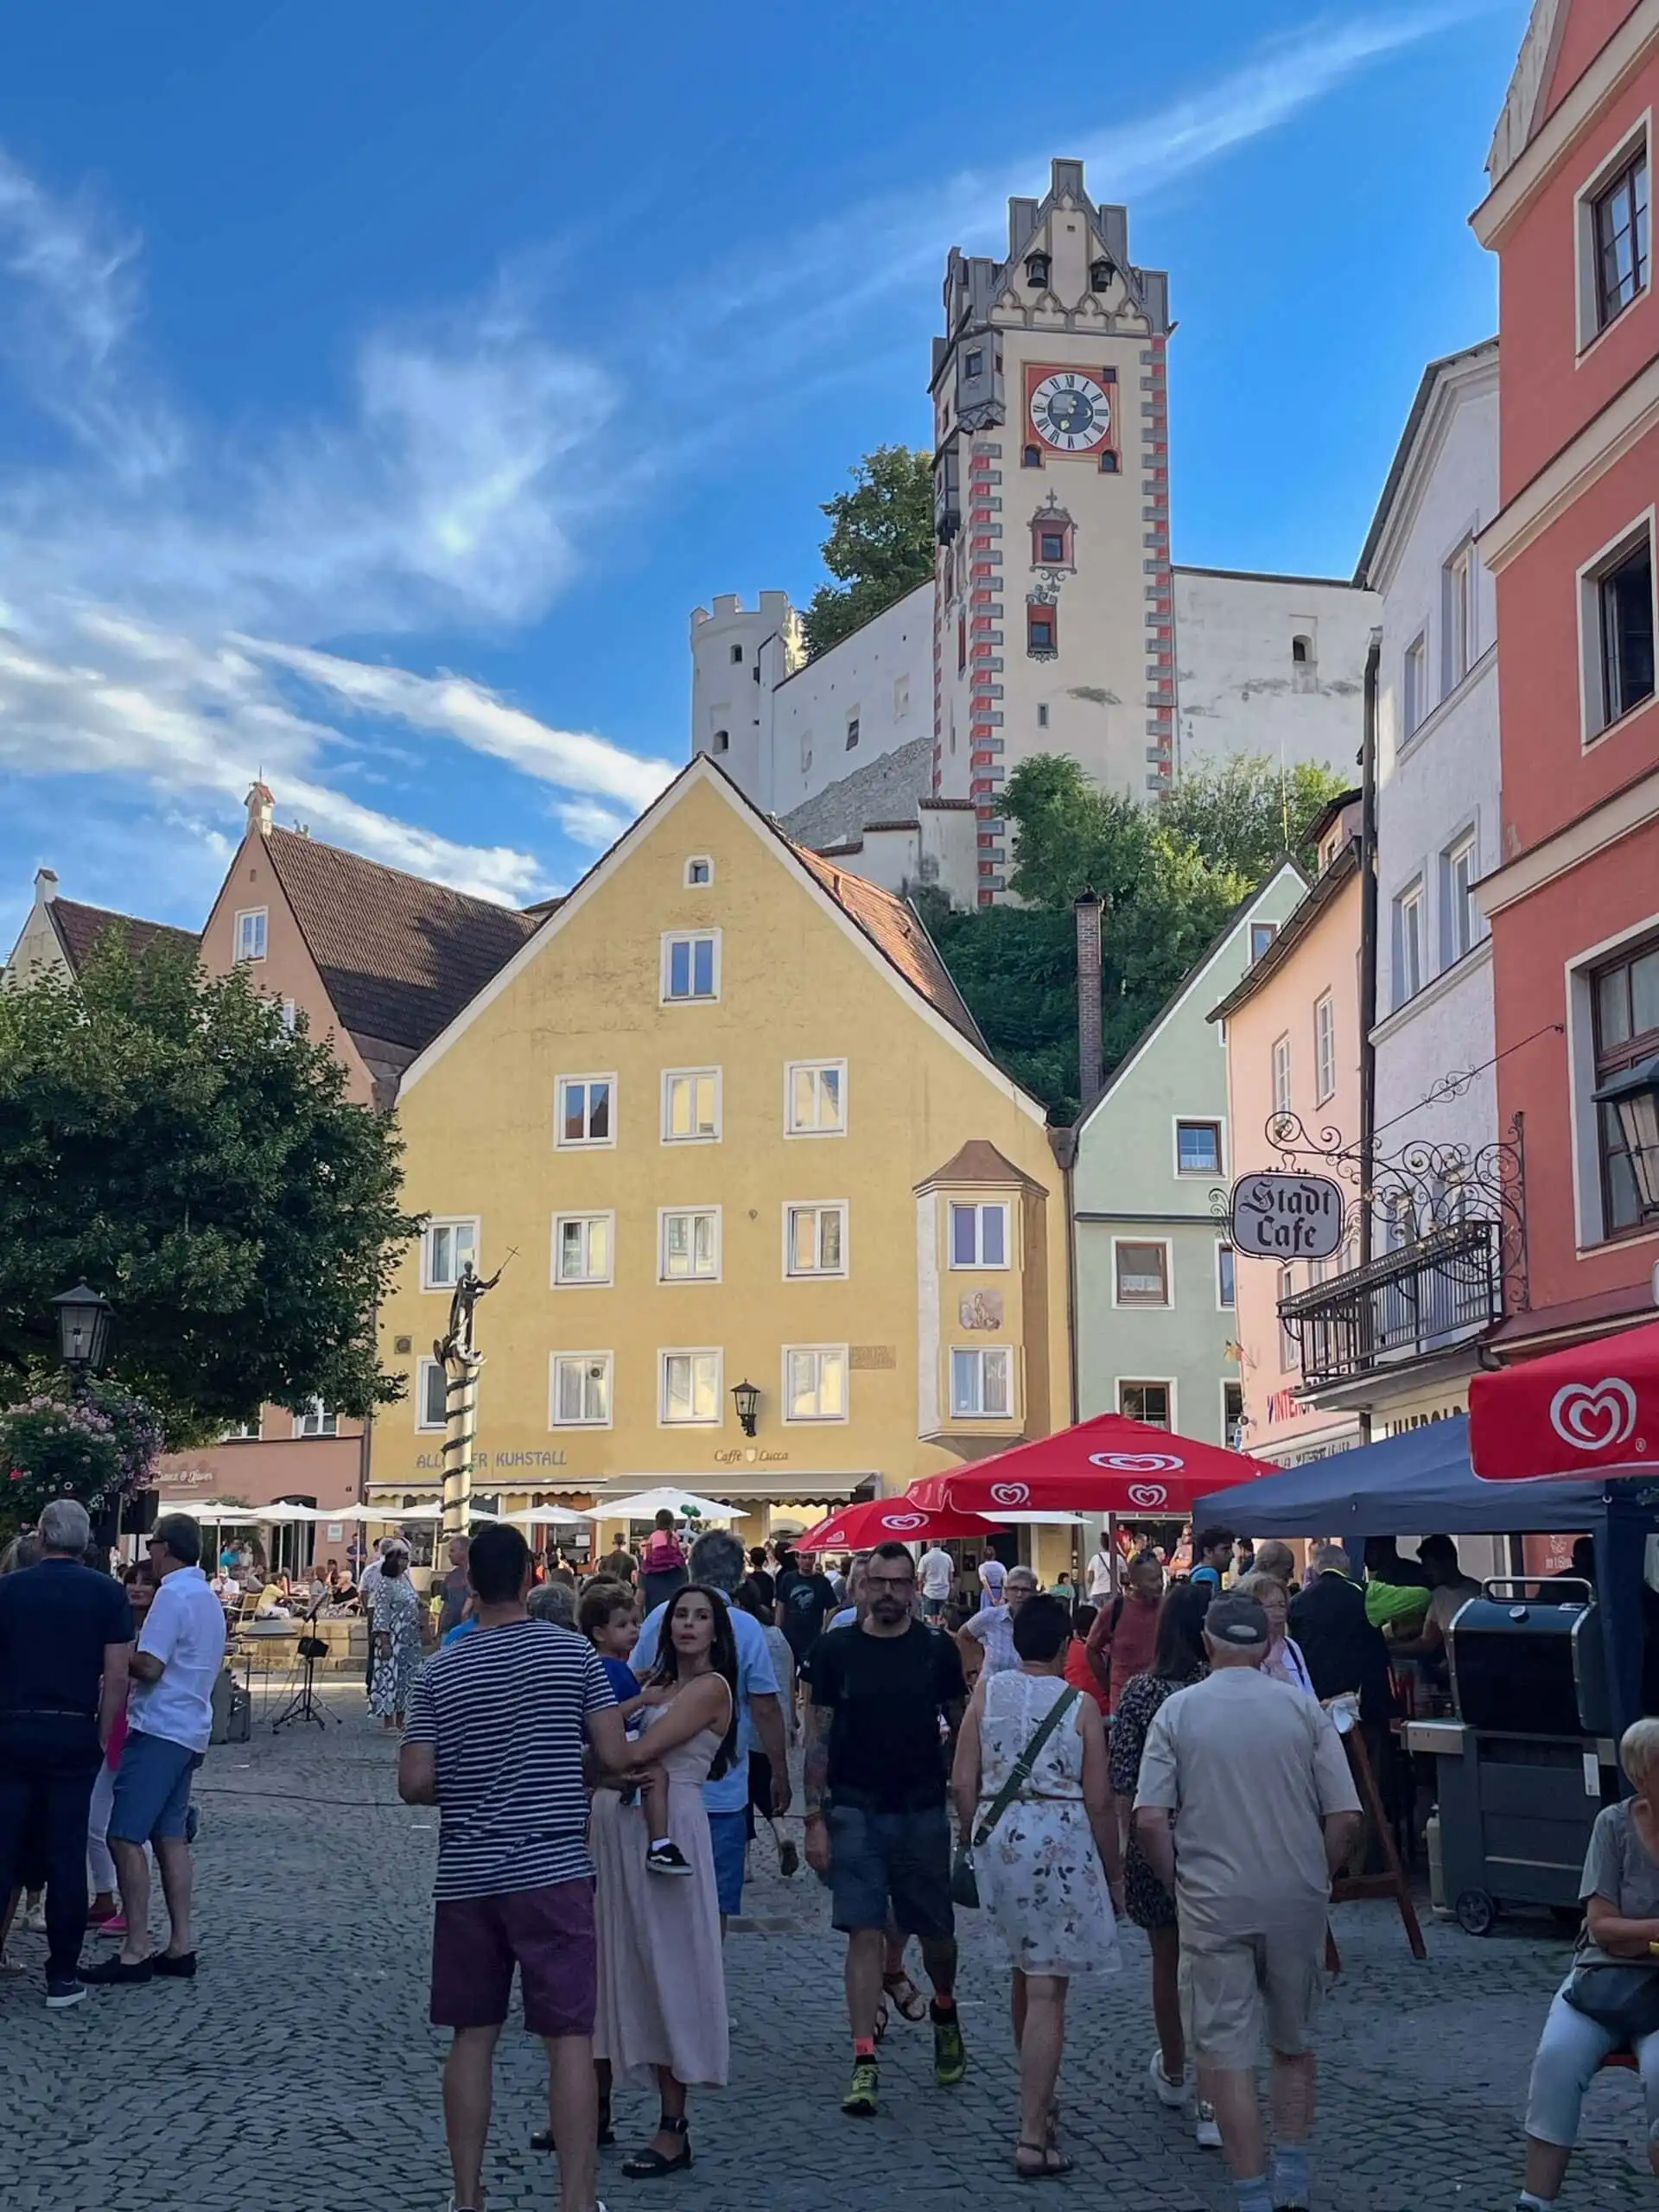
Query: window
{"x": 317, "y": 1419}
{"x": 1232, "y": 1416}
{"x": 1408, "y": 943}
{"x": 852, "y": 732}
{"x": 1416, "y": 685}
{"x": 973, "y": 365}
{"x": 1226, "y": 1277}
{"x": 1289, "y": 1350}
{"x": 691, "y": 965}
{"x": 737, "y": 655}
{"x": 979, "y": 1236}
{"x": 1031, "y": 457}
{"x": 815, "y": 1239}
{"x": 1618, "y": 216}
{"x": 691, "y": 1106}
{"x": 690, "y": 1245}
{"x": 721, "y": 740}
{"x": 580, "y": 1392}
{"x": 1458, "y": 875}
{"x": 448, "y": 1248}
{"x": 1051, "y": 547}
{"x": 1460, "y": 604}
{"x": 1037, "y": 266}
{"x": 431, "y": 1409}
{"x": 1042, "y": 715}
{"x": 1100, "y": 274}
{"x": 1040, "y": 632}
{"x": 815, "y": 1383}
{"x": 1299, "y": 654}
{"x": 1625, "y": 1002}
{"x": 1147, "y": 1401}
{"x": 699, "y": 871}
{"x": 242, "y": 1432}
{"x": 1624, "y": 606}
{"x": 690, "y": 1389}
{"x": 981, "y": 1383}
{"x": 250, "y": 934}
{"x": 1325, "y": 1050}
{"x": 1140, "y": 1272}
{"x": 1281, "y": 1075}
{"x": 586, "y": 1114}
{"x": 583, "y": 1246}
{"x": 290, "y": 1015}
{"x": 1262, "y": 935}
{"x": 815, "y": 1098}
{"x": 1197, "y": 1148}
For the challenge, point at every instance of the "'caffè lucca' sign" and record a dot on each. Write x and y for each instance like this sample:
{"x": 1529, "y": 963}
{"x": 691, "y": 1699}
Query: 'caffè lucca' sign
{"x": 1283, "y": 1217}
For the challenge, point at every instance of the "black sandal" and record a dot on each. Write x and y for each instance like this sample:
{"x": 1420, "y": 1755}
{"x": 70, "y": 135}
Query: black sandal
{"x": 650, "y": 2164}
{"x": 543, "y": 2139}
{"x": 1054, "y": 2162}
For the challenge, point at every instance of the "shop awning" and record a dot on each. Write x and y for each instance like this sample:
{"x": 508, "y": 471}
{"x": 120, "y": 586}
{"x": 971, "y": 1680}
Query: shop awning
{"x": 1592, "y": 1410}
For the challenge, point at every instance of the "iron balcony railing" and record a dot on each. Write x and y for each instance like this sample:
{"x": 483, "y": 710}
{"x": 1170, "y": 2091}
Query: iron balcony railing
{"x": 1425, "y": 1297}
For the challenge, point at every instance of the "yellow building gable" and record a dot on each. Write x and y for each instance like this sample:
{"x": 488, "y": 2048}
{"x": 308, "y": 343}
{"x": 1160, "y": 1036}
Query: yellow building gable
{"x": 724, "y": 1120}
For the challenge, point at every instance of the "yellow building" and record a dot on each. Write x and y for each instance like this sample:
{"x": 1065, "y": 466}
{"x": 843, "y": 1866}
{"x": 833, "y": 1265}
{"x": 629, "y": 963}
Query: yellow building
{"x": 724, "y": 1120}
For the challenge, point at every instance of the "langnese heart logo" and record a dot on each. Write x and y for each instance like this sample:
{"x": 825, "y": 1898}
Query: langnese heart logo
{"x": 899, "y": 1521}
{"x": 1138, "y": 1463}
{"x": 1147, "y": 1496}
{"x": 1009, "y": 1494}
{"x": 1594, "y": 1418}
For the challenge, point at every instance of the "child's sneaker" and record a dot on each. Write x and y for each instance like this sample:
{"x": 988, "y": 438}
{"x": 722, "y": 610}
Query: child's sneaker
{"x": 667, "y": 1859}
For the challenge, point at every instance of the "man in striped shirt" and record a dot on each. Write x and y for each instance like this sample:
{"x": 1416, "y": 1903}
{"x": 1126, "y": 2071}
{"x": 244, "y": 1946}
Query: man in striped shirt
{"x": 497, "y": 1721}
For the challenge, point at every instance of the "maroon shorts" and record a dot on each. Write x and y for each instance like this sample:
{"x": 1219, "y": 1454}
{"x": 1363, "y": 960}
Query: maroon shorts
{"x": 548, "y": 1934}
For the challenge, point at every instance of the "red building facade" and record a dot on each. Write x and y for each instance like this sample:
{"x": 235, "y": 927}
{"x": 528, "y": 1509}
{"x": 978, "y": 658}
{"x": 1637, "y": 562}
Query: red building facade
{"x": 1574, "y": 905}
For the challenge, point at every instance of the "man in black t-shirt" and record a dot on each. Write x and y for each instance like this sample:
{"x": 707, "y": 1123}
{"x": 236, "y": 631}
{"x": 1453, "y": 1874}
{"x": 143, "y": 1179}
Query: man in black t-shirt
{"x": 806, "y": 1598}
{"x": 877, "y": 1763}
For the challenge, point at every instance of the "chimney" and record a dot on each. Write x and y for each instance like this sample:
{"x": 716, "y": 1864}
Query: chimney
{"x": 45, "y": 886}
{"x": 259, "y": 803}
{"x": 1086, "y": 910}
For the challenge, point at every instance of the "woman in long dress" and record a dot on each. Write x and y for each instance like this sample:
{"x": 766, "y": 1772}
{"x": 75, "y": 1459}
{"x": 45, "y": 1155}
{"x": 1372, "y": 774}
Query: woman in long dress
{"x": 1050, "y": 1869}
{"x": 395, "y": 1626}
{"x": 662, "y": 1980}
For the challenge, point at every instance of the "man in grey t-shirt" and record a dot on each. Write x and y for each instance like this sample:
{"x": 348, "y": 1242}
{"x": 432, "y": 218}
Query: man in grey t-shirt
{"x": 1245, "y": 1808}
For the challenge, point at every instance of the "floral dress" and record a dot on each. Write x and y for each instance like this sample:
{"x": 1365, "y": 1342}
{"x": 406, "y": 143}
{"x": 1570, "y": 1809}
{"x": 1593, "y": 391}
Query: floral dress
{"x": 394, "y": 1610}
{"x": 1039, "y": 1874}
{"x": 1150, "y": 1904}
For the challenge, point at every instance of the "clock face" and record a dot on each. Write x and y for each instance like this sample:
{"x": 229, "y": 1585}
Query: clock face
{"x": 1069, "y": 411}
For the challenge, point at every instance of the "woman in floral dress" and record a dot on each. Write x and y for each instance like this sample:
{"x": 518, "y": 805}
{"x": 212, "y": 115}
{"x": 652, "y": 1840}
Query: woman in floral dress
{"x": 395, "y": 1624}
{"x": 1049, "y": 1871}
{"x": 1177, "y": 1661}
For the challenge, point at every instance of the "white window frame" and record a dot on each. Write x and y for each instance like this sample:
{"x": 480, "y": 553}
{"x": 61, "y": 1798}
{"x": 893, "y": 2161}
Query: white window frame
{"x": 693, "y": 881}
{"x": 1411, "y": 900}
{"x": 1414, "y": 688}
{"x": 1460, "y": 616}
{"x": 1324, "y": 1047}
{"x": 1463, "y": 847}
{"x": 424, "y": 1371}
{"x": 1231, "y": 1383}
{"x": 562, "y": 1143}
{"x": 1281, "y": 1080}
{"x": 794, "y": 1206}
{"x": 1226, "y": 1305}
{"x": 1122, "y": 1382}
{"x": 1269, "y": 930}
{"x": 715, "y": 1419}
{"x": 981, "y": 1354}
{"x": 556, "y": 1360}
{"x": 671, "y": 1076}
{"x": 243, "y": 954}
{"x": 692, "y": 937}
{"x": 1585, "y": 256}
{"x": 978, "y": 1266}
{"x": 665, "y": 1214}
{"x": 818, "y": 1352}
{"x": 430, "y": 1279}
{"x": 1215, "y": 1122}
{"x": 1593, "y": 723}
{"x": 327, "y": 1419}
{"x": 1164, "y": 1305}
{"x": 290, "y": 1015}
{"x": 793, "y": 1068}
{"x": 587, "y": 1220}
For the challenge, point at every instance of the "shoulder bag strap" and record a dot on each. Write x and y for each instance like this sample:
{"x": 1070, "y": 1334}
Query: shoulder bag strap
{"x": 1019, "y": 1773}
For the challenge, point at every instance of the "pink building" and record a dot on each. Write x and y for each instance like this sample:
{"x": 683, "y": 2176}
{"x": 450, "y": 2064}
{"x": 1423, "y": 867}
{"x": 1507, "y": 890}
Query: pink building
{"x": 1291, "y": 1029}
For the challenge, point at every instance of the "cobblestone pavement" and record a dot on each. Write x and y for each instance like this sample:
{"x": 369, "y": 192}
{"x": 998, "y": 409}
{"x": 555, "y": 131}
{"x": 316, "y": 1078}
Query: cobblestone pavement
{"x": 298, "y": 2070}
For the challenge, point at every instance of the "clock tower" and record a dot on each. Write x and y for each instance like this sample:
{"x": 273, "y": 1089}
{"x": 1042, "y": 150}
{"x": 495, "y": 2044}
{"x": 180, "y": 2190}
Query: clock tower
{"x": 1053, "y": 628}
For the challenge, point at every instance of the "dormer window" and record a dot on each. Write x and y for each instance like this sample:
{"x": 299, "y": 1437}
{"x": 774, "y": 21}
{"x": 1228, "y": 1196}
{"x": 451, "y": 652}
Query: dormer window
{"x": 1037, "y": 268}
{"x": 1100, "y": 274}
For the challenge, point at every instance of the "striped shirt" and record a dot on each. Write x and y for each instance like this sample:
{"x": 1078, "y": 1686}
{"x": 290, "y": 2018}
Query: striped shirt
{"x": 504, "y": 1710}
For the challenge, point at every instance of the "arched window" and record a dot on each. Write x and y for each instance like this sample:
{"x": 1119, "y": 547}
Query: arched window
{"x": 722, "y": 739}
{"x": 1100, "y": 274}
{"x": 1300, "y": 652}
{"x": 1037, "y": 268}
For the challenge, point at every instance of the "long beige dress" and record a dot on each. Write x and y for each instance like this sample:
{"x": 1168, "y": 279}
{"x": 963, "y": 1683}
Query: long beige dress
{"x": 662, "y": 1977}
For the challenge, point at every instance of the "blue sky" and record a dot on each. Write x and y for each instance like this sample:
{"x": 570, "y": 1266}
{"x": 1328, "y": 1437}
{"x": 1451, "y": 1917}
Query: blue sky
{"x": 382, "y": 384}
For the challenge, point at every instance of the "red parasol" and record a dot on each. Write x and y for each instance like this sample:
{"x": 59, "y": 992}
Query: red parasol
{"x": 1108, "y": 1465}
{"x": 1592, "y": 1409}
{"x": 888, "y": 1520}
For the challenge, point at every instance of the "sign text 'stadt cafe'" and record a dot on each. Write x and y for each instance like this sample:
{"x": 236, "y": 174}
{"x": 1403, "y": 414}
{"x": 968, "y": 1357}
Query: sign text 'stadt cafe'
{"x": 1276, "y": 1216}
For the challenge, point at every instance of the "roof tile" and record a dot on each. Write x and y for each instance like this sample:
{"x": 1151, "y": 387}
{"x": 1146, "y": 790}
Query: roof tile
{"x": 895, "y": 930}
{"x": 80, "y": 927}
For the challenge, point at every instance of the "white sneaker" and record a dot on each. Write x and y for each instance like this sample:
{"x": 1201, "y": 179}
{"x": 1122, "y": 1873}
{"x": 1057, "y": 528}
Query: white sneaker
{"x": 32, "y": 1916}
{"x": 1208, "y": 2130}
{"x": 1173, "y": 2094}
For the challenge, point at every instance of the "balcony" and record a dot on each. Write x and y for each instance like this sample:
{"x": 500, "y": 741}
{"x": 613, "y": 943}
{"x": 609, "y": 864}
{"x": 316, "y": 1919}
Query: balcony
{"x": 1427, "y": 1297}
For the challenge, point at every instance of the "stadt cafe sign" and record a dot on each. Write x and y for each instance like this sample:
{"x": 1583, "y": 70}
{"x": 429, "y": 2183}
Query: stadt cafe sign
{"x": 1280, "y": 1215}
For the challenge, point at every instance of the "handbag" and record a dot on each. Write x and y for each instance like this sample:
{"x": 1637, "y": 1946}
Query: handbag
{"x": 1622, "y": 2000}
{"x": 965, "y": 1881}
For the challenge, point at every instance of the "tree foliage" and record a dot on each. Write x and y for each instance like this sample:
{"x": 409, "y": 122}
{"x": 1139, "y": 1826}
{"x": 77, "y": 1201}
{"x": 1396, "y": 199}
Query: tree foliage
{"x": 162, "y": 1135}
{"x": 880, "y": 546}
{"x": 1170, "y": 875}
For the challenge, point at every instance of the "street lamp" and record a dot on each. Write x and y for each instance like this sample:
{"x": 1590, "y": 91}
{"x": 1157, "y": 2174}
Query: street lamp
{"x": 747, "y": 1399}
{"x": 1634, "y": 1096}
{"x": 84, "y": 1320}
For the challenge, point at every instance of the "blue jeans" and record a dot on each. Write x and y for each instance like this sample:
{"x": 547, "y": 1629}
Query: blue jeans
{"x": 1571, "y": 2048}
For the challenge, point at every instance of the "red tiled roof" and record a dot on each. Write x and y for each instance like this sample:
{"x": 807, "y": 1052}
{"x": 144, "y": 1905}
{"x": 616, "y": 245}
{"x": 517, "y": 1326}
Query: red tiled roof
{"x": 80, "y": 928}
{"x": 894, "y": 929}
{"x": 979, "y": 1161}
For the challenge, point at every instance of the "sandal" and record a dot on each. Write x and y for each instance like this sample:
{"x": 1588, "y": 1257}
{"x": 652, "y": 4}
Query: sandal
{"x": 1051, "y": 2163}
{"x": 543, "y": 2139}
{"x": 912, "y": 2005}
{"x": 881, "y": 2017}
{"x": 650, "y": 2164}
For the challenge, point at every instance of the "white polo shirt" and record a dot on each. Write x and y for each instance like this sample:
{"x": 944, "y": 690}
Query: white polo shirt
{"x": 185, "y": 1630}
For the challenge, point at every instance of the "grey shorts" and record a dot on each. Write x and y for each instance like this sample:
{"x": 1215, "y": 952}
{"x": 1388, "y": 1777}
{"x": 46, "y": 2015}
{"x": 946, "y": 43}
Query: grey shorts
{"x": 1251, "y": 1990}
{"x": 897, "y": 1863}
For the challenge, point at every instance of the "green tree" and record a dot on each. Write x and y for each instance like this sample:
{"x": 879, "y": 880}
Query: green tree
{"x": 880, "y": 543}
{"x": 1243, "y": 813}
{"x": 162, "y": 1135}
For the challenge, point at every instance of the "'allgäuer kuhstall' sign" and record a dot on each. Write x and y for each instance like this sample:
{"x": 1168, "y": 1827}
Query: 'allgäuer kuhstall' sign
{"x": 1278, "y": 1215}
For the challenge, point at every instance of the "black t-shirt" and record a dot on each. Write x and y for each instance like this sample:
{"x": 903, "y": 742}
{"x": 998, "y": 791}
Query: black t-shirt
{"x": 886, "y": 1695}
{"x": 56, "y": 1620}
{"x": 807, "y": 1601}
{"x": 765, "y": 1586}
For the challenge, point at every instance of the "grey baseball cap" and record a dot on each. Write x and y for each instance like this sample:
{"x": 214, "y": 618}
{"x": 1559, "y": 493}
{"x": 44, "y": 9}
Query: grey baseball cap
{"x": 1242, "y": 1621}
